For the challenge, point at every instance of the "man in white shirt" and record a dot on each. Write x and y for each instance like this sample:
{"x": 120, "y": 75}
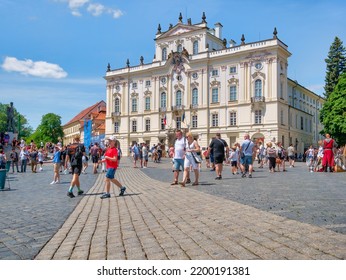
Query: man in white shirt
{"x": 179, "y": 155}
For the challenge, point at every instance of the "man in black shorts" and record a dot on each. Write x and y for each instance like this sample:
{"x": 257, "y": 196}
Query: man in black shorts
{"x": 219, "y": 148}
{"x": 75, "y": 152}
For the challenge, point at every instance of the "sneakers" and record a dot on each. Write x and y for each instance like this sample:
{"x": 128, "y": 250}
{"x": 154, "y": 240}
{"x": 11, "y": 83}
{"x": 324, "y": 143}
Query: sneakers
{"x": 188, "y": 181}
{"x": 122, "y": 191}
{"x": 218, "y": 178}
{"x": 71, "y": 195}
{"x": 243, "y": 175}
{"x": 80, "y": 192}
{"x": 250, "y": 175}
{"x": 52, "y": 183}
{"x": 105, "y": 195}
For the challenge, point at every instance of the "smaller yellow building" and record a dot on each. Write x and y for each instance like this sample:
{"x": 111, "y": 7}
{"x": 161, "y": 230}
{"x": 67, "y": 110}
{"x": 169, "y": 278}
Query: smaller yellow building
{"x": 96, "y": 113}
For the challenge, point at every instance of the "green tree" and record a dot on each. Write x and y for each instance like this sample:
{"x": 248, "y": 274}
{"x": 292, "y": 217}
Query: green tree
{"x": 20, "y": 122}
{"x": 49, "y": 130}
{"x": 333, "y": 112}
{"x": 336, "y": 65}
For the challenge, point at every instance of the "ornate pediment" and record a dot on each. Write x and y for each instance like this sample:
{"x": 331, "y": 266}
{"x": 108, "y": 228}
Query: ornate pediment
{"x": 258, "y": 74}
{"x": 179, "y": 29}
{"x": 179, "y": 86}
{"x": 233, "y": 81}
{"x": 147, "y": 93}
{"x": 215, "y": 83}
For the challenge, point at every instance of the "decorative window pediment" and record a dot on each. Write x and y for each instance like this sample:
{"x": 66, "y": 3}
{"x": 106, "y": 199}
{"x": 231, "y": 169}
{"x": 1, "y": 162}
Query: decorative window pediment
{"x": 147, "y": 93}
{"x": 233, "y": 81}
{"x": 258, "y": 74}
{"x": 215, "y": 83}
{"x": 179, "y": 86}
{"x": 134, "y": 95}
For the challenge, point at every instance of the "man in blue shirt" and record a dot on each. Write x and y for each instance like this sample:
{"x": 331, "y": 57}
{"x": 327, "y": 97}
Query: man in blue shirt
{"x": 246, "y": 151}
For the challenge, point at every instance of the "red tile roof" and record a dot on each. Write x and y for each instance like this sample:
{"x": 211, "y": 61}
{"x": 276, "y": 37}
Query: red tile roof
{"x": 86, "y": 112}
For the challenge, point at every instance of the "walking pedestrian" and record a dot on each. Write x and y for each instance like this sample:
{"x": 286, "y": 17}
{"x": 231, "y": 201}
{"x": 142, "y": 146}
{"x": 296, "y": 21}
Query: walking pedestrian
{"x": 23, "y": 159}
{"x": 95, "y": 156}
{"x": 111, "y": 160}
{"x": 33, "y": 155}
{"x": 219, "y": 148}
{"x": 291, "y": 155}
{"x": 191, "y": 148}
{"x": 246, "y": 151}
{"x": 179, "y": 155}
{"x": 14, "y": 159}
{"x": 56, "y": 165}
{"x": 40, "y": 157}
{"x": 272, "y": 155}
{"x": 75, "y": 152}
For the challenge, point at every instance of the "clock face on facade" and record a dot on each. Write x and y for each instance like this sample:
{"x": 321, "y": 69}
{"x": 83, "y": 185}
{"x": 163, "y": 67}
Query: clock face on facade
{"x": 194, "y": 75}
{"x": 163, "y": 80}
{"x": 258, "y": 65}
{"x": 117, "y": 88}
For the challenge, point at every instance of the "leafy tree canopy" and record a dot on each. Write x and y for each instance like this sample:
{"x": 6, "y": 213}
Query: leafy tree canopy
{"x": 49, "y": 130}
{"x": 333, "y": 112}
{"x": 20, "y": 122}
{"x": 336, "y": 65}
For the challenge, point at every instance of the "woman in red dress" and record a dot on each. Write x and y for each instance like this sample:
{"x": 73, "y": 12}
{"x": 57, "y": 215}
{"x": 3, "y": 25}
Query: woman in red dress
{"x": 328, "y": 153}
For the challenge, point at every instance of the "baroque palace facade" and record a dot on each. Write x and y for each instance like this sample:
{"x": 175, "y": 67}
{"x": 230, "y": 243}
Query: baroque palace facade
{"x": 195, "y": 82}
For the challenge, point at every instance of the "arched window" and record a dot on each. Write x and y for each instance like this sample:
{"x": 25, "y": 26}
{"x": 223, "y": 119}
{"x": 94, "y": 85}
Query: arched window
{"x": 195, "y": 47}
{"x": 117, "y": 105}
{"x": 178, "y": 98}
{"x": 164, "y": 54}
{"x": 179, "y": 48}
{"x": 195, "y": 97}
{"x": 163, "y": 101}
{"x": 258, "y": 88}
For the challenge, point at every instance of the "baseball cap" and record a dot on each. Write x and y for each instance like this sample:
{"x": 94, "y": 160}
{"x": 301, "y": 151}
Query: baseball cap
{"x": 112, "y": 138}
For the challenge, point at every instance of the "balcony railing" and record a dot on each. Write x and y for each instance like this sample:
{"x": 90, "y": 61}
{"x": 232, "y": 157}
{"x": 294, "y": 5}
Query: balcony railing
{"x": 162, "y": 109}
{"x": 194, "y": 106}
{"x": 116, "y": 114}
{"x": 178, "y": 108}
{"x": 256, "y": 99}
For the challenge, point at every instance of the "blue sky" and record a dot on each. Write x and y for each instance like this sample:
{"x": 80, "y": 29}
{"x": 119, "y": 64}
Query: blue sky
{"x": 54, "y": 53}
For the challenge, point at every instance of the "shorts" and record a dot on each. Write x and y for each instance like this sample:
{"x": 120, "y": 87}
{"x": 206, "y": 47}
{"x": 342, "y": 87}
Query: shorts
{"x": 234, "y": 163}
{"x": 146, "y": 158}
{"x": 110, "y": 173}
{"x": 95, "y": 159}
{"x": 135, "y": 157}
{"x": 219, "y": 159}
{"x": 56, "y": 167}
{"x": 247, "y": 160}
{"x": 76, "y": 169}
{"x": 189, "y": 161}
{"x": 291, "y": 157}
{"x": 178, "y": 162}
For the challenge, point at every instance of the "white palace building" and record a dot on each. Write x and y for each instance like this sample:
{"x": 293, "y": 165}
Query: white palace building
{"x": 198, "y": 83}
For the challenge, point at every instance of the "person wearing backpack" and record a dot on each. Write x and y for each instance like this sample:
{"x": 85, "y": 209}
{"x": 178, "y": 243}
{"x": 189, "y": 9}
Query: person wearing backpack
{"x": 74, "y": 155}
{"x": 95, "y": 156}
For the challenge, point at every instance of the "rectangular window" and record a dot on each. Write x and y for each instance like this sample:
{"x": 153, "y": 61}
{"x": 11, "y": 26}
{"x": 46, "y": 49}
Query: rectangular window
{"x": 116, "y": 127}
{"x": 134, "y": 85}
{"x": 233, "y": 93}
{"x": 134, "y": 126}
{"x": 233, "y": 70}
{"x": 301, "y": 123}
{"x": 147, "y": 125}
{"x": 134, "y": 104}
{"x": 214, "y": 120}
{"x": 147, "y": 103}
{"x": 215, "y": 72}
{"x": 194, "y": 122}
{"x": 232, "y": 118}
{"x": 282, "y": 117}
{"x": 215, "y": 95}
{"x": 178, "y": 122}
{"x": 147, "y": 83}
{"x": 258, "y": 116}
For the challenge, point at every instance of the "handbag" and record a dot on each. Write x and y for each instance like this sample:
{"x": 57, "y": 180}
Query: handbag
{"x": 196, "y": 158}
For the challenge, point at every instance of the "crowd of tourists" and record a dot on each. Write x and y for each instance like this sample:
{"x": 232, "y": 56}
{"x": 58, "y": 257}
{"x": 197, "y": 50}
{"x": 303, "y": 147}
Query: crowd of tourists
{"x": 186, "y": 155}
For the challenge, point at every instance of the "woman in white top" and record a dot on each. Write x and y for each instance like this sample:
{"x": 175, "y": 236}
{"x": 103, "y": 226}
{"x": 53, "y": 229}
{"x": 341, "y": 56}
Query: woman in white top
{"x": 191, "y": 148}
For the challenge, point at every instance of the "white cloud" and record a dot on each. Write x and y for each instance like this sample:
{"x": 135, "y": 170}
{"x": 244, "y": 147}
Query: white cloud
{"x": 38, "y": 69}
{"x": 95, "y": 9}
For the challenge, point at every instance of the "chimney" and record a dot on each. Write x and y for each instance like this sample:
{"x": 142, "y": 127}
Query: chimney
{"x": 218, "y": 30}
